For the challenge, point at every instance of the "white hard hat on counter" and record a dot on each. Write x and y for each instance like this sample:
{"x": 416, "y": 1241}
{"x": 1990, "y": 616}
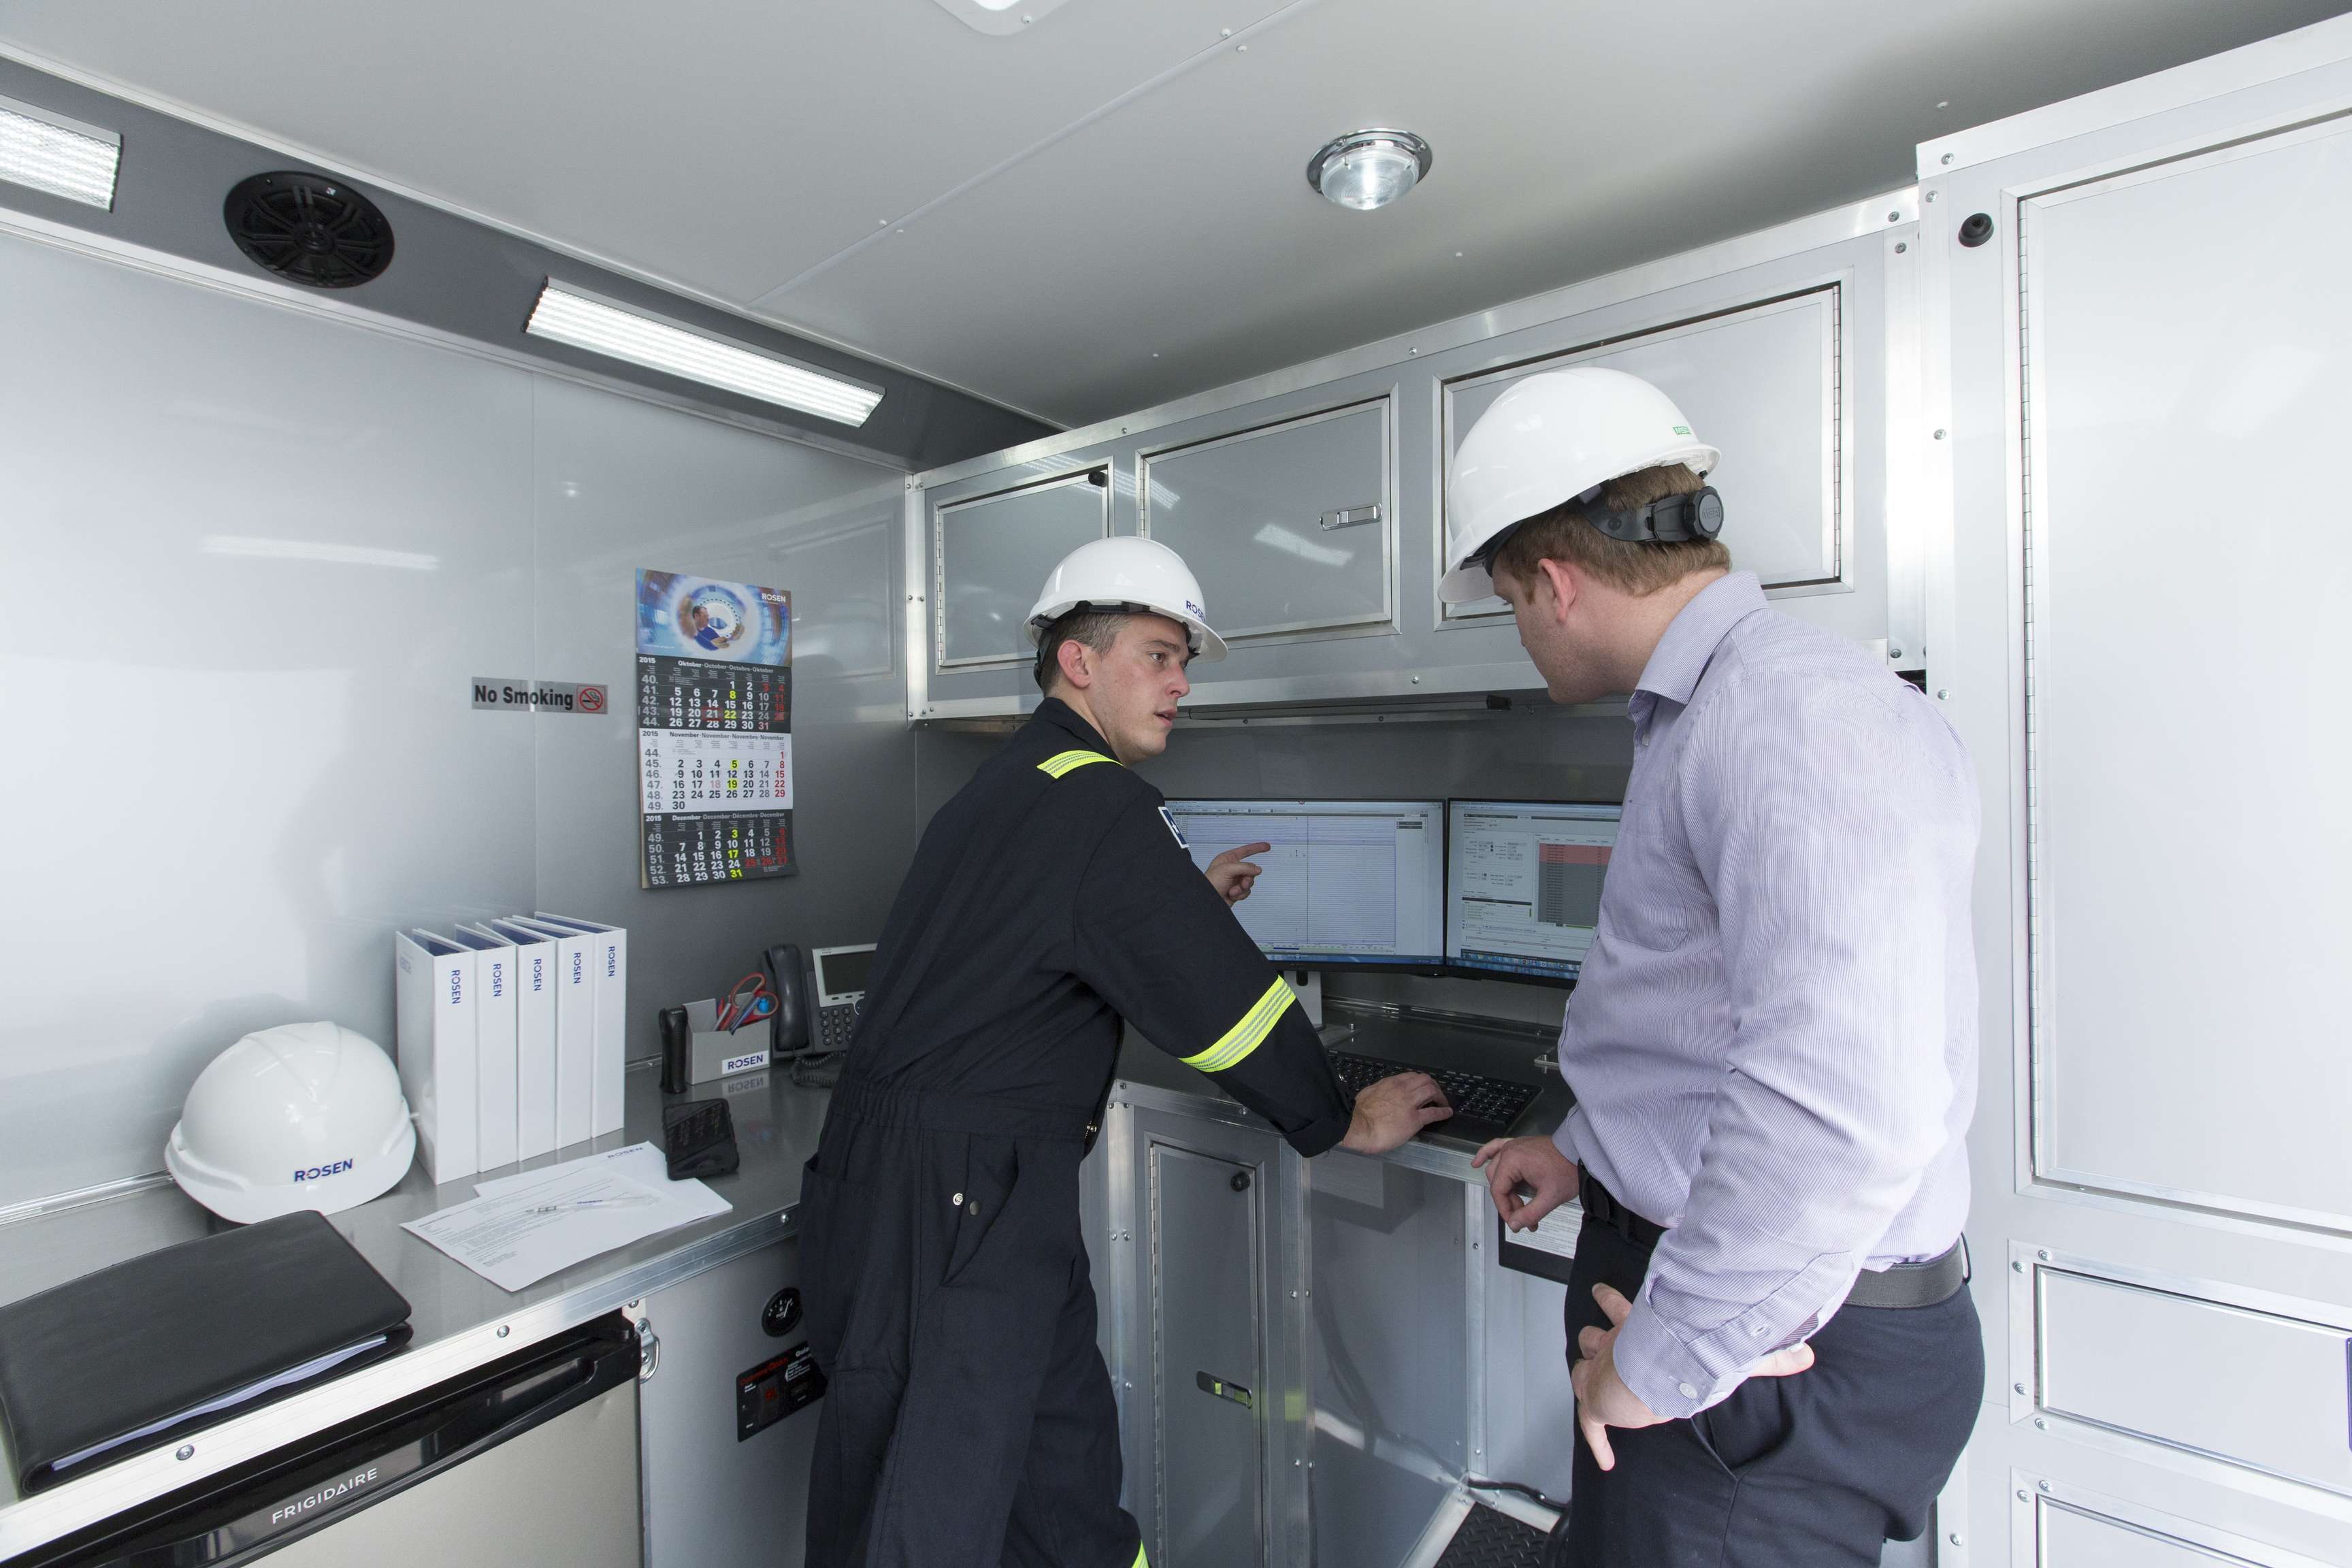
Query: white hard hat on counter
{"x": 303, "y": 1116}
{"x": 1551, "y": 438}
{"x": 1127, "y": 574}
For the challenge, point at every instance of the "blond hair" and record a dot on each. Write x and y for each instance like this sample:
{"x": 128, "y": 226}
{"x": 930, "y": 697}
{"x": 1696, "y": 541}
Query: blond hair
{"x": 1634, "y": 567}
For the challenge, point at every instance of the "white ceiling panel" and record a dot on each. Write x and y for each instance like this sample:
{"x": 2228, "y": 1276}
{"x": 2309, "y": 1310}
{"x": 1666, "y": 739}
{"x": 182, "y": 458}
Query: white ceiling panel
{"x": 721, "y": 146}
{"x": 1119, "y": 180}
{"x": 1570, "y": 140}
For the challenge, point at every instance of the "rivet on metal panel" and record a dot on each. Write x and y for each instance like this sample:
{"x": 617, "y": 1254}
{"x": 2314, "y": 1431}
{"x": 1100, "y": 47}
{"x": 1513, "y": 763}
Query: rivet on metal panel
{"x": 2041, "y": 1486}
{"x": 2043, "y": 1253}
{"x": 1893, "y": 651}
{"x": 1412, "y": 351}
{"x": 2039, "y": 1424}
{"x": 1928, "y": 197}
{"x": 1900, "y": 247}
{"x": 1416, "y": 681}
{"x": 1225, "y": 32}
{"x": 2017, "y": 1268}
{"x": 2018, "y": 1386}
{"x": 1943, "y": 695}
{"x": 502, "y": 1331}
{"x": 1947, "y": 157}
{"x": 1894, "y": 217}
{"x": 1939, "y": 435}
{"x": 188, "y": 1451}
{"x": 2023, "y": 1496}
{"x": 1954, "y": 1537}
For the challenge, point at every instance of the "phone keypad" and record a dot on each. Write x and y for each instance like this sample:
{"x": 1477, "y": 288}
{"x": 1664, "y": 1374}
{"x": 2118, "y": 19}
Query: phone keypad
{"x": 835, "y": 1025}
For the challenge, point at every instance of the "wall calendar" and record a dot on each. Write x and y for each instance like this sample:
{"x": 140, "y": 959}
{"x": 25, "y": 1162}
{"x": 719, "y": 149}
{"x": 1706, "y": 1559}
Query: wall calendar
{"x": 714, "y": 730}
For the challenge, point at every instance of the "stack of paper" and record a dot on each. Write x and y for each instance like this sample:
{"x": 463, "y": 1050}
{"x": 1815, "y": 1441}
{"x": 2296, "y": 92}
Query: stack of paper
{"x": 520, "y": 1229}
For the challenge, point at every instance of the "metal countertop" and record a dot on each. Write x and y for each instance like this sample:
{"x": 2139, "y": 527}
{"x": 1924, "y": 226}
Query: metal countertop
{"x": 460, "y": 1319}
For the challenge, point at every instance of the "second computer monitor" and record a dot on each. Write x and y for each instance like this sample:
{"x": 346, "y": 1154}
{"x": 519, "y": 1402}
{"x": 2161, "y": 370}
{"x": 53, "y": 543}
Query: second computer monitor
{"x": 1359, "y": 882}
{"x": 1524, "y": 886}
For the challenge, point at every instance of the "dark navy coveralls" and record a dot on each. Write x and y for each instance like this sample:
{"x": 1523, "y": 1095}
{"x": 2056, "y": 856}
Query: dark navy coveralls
{"x": 969, "y": 1417}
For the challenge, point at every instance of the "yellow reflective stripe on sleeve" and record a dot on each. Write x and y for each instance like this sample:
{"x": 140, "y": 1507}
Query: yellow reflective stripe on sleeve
{"x": 1249, "y": 1033}
{"x": 1140, "y": 1560}
{"x": 1064, "y": 761}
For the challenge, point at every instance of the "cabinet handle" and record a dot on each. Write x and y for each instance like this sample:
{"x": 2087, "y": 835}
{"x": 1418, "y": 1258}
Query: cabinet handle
{"x": 1351, "y": 517}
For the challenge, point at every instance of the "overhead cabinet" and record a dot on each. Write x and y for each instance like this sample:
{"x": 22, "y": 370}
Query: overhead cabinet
{"x": 1760, "y": 383}
{"x": 1290, "y": 526}
{"x": 990, "y": 554}
{"x": 1310, "y": 503}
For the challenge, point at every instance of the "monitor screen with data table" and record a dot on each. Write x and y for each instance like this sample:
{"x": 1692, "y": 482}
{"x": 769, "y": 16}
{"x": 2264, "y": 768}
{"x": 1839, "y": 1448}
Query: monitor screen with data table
{"x": 1357, "y": 882}
{"x": 1523, "y": 894}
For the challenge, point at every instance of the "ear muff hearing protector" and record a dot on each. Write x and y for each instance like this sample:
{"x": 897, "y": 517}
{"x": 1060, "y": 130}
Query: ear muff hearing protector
{"x": 1673, "y": 520}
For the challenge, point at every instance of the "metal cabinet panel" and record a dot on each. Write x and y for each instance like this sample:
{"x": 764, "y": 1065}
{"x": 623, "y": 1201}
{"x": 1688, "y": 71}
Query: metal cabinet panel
{"x": 2141, "y": 556}
{"x": 1291, "y": 528}
{"x": 1760, "y": 383}
{"x": 992, "y": 552}
{"x": 1208, "y": 1358}
{"x": 1393, "y": 1336}
{"x": 2175, "y": 1369}
{"x": 2073, "y": 1539}
{"x": 713, "y": 1498}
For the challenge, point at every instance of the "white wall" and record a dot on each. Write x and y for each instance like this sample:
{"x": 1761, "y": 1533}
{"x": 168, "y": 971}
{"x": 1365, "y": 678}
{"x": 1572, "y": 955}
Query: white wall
{"x": 250, "y": 559}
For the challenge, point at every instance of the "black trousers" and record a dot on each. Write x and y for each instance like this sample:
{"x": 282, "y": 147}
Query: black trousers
{"x": 1817, "y": 1470}
{"x": 967, "y": 1420}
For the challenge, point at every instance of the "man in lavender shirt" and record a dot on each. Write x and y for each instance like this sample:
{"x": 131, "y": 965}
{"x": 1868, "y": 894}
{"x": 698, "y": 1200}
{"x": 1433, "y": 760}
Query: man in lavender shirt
{"x": 1772, "y": 1043}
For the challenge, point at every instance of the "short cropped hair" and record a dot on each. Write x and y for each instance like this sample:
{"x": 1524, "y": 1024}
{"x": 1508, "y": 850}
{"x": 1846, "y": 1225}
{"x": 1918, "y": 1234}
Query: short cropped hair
{"x": 1097, "y": 629}
{"x": 1636, "y": 567}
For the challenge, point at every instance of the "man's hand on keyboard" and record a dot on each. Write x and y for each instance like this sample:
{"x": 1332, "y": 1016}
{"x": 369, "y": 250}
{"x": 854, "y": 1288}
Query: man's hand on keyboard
{"x": 1534, "y": 1163}
{"x": 1391, "y": 1110}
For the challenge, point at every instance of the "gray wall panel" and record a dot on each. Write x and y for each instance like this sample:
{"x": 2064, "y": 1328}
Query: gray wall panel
{"x": 253, "y": 559}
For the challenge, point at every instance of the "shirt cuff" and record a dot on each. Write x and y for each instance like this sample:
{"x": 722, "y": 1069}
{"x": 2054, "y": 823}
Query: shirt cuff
{"x": 1564, "y": 1139}
{"x": 1663, "y": 1372}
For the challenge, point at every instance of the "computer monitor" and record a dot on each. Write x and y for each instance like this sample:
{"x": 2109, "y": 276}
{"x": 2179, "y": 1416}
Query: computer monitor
{"x": 1523, "y": 888}
{"x": 1354, "y": 882}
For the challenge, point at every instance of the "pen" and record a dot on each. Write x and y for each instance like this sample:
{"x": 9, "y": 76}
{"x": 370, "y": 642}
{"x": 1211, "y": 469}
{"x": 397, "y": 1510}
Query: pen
{"x": 619, "y": 1202}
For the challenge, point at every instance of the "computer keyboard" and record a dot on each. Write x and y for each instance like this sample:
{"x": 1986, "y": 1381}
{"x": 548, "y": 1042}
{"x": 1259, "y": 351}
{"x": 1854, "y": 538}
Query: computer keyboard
{"x": 1473, "y": 1097}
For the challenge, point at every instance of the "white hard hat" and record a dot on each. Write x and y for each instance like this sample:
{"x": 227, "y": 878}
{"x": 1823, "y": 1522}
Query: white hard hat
{"x": 303, "y": 1116}
{"x": 1548, "y": 439}
{"x": 1127, "y": 574}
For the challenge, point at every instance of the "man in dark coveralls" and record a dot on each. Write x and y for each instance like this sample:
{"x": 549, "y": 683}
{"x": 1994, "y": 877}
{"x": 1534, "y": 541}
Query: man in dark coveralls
{"x": 969, "y": 1418}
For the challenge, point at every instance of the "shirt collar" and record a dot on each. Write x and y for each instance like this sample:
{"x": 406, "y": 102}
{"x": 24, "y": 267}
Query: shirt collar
{"x": 1061, "y": 715}
{"x": 1698, "y": 629}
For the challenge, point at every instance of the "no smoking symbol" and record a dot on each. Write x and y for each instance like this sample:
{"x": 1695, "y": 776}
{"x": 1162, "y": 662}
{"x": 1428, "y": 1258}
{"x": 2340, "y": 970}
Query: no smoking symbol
{"x": 591, "y": 700}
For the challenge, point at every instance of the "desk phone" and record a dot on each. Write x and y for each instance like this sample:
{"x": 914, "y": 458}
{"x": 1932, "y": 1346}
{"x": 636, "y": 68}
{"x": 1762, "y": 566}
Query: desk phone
{"x": 837, "y": 986}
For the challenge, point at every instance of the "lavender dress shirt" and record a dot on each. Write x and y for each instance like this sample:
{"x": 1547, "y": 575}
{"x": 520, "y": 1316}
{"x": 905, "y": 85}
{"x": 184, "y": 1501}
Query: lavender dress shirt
{"x": 1773, "y": 1041}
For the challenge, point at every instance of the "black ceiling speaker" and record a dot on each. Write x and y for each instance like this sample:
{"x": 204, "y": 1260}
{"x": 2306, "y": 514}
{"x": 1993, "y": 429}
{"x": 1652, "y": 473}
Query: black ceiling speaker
{"x": 309, "y": 228}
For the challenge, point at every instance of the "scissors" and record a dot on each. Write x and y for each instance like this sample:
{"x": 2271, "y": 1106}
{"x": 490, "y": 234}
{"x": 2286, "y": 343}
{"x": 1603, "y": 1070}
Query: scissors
{"x": 748, "y": 999}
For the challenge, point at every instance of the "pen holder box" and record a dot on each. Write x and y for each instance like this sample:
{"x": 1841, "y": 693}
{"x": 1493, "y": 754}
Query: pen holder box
{"x": 722, "y": 1053}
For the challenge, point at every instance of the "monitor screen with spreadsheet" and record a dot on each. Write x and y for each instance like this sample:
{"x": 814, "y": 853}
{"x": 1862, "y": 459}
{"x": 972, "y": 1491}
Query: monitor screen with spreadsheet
{"x": 1357, "y": 882}
{"x": 1523, "y": 891}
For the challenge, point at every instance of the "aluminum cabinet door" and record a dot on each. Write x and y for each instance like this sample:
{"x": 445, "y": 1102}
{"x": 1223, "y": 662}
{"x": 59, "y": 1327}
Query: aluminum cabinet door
{"x": 1760, "y": 383}
{"x": 1208, "y": 1358}
{"x": 2148, "y": 333}
{"x": 1291, "y": 527}
{"x": 714, "y": 1497}
{"x": 562, "y": 1495}
{"x": 990, "y": 554}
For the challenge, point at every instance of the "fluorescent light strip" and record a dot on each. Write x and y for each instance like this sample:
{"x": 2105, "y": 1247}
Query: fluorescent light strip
{"x": 592, "y": 324}
{"x": 64, "y": 159}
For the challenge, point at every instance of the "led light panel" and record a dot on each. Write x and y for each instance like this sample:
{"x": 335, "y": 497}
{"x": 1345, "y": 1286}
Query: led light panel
{"x": 587, "y": 323}
{"x": 74, "y": 161}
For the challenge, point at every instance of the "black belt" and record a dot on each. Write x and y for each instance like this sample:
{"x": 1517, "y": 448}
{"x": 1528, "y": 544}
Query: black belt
{"x": 1924, "y": 1284}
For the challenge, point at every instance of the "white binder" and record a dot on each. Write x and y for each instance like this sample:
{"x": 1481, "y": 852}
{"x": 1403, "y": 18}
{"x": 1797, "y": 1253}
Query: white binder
{"x": 534, "y": 1038}
{"x": 495, "y": 1024}
{"x": 609, "y": 971}
{"x": 575, "y": 1030}
{"x": 434, "y": 997}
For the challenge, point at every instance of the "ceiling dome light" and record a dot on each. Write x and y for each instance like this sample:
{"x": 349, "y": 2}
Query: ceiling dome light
{"x": 1368, "y": 169}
